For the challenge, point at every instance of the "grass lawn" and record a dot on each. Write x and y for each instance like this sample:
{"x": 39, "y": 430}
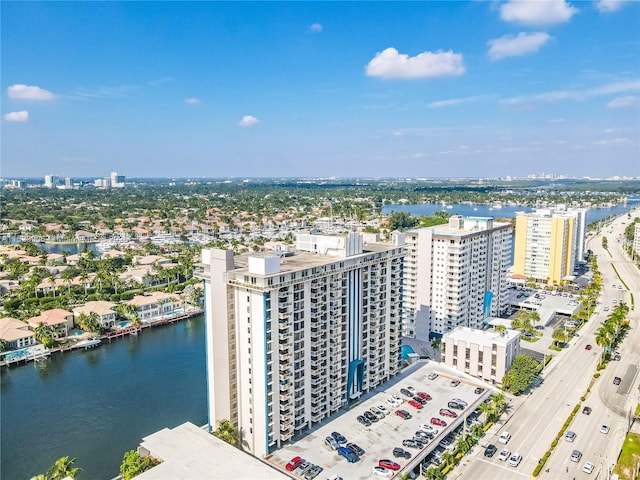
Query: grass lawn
{"x": 629, "y": 457}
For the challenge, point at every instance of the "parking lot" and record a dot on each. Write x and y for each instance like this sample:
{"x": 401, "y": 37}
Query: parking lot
{"x": 379, "y": 439}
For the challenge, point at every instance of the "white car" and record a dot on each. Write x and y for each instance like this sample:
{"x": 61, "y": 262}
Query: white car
{"x": 460, "y": 401}
{"x": 588, "y": 467}
{"x": 382, "y": 472}
{"x": 504, "y": 437}
{"x": 394, "y": 402}
{"x": 383, "y": 409}
{"x": 377, "y": 412}
{"x": 411, "y": 389}
{"x": 428, "y": 428}
{"x": 515, "y": 459}
{"x": 432, "y": 376}
{"x": 504, "y": 454}
{"x": 604, "y": 429}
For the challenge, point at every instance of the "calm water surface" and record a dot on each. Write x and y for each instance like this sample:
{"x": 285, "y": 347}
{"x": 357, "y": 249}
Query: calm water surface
{"x": 94, "y": 405}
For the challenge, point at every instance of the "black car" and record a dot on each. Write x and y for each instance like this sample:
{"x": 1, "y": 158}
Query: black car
{"x": 456, "y": 405}
{"x": 406, "y": 392}
{"x": 355, "y": 449}
{"x": 339, "y": 438}
{"x": 490, "y": 450}
{"x": 401, "y": 452}
{"x": 478, "y": 390}
{"x": 586, "y": 410}
{"x": 370, "y": 416}
{"x": 363, "y": 420}
{"x": 617, "y": 380}
{"x": 420, "y": 400}
{"x": 425, "y": 435}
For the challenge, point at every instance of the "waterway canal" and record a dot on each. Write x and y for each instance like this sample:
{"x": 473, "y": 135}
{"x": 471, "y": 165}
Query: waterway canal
{"x": 94, "y": 405}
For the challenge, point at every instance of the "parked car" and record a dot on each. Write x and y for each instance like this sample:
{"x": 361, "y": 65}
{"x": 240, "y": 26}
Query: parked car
{"x": 424, "y": 395}
{"x": 604, "y": 429}
{"x": 390, "y": 464}
{"x": 403, "y": 414}
{"x": 455, "y": 383}
{"x": 428, "y": 428}
{"x": 504, "y": 454}
{"x": 394, "y": 402}
{"x": 303, "y": 467}
{"x": 356, "y": 449}
{"x": 330, "y": 443}
{"x": 313, "y": 472}
{"x": 377, "y": 412}
{"x": 478, "y": 390}
{"x": 570, "y": 436}
{"x": 586, "y": 410}
{"x": 456, "y": 405}
{"x": 415, "y": 404}
{"x": 401, "y": 452}
{"x": 432, "y": 376}
{"x": 617, "y": 380}
{"x": 425, "y": 436}
{"x": 370, "y": 416}
{"x": 363, "y": 420}
{"x": 383, "y": 409}
{"x": 410, "y": 443}
{"x": 588, "y": 467}
{"x": 406, "y": 392}
{"x": 448, "y": 413}
{"x": 515, "y": 459}
{"x": 438, "y": 421}
{"x": 504, "y": 437}
{"x": 339, "y": 438}
{"x": 348, "y": 454}
{"x": 411, "y": 389}
{"x": 420, "y": 400}
{"x": 294, "y": 463}
{"x": 587, "y": 347}
{"x": 490, "y": 451}
{"x": 460, "y": 401}
{"x": 576, "y": 455}
{"x": 381, "y": 471}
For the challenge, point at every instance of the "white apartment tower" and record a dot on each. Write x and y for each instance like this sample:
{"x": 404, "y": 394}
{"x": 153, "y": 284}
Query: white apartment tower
{"x": 51, "y": 181}
{"x": 455, "y": 275}
{"x": 292, "y": 339}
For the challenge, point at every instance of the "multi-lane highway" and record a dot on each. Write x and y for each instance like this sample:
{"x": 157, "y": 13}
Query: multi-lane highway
{"x": 537, "y": 418}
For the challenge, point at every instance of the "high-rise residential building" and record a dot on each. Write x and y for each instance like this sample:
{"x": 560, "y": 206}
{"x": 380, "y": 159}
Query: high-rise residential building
{"x": 51, "y": 181}
{"x": 548, "y": 244}
{"x": 68, "y": 182}
{"x": 455, "y": 275}
{"x": 116, "y": 181}
{"x": 291, "y": 339}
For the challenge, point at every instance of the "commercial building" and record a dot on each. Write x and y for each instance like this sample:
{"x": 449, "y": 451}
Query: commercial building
{"x": 291, "y": 339}
{"x": 548, "y": 244}
{"x": 51, "y": 181}
{"x": 455, "y": 275}
{"x": 485, "y": 354}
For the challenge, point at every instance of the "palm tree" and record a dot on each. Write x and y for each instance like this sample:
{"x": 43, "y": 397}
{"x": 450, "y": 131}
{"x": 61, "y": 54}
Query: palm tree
{"x": 448, "y": 458}
{"x": 43, "y": 333}
{"x": 63, "y": 468}
{"x": 227, "y": 432}
{"x": 559, "y": 335}
{"x": 3, "y": 344}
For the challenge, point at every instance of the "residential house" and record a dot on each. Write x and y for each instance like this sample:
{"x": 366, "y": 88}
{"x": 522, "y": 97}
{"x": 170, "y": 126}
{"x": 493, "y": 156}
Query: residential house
{"x": 16, "y": 333}
{"x": 154, "y": 306}
{"x": 83, "y": 236}
{"x": 60, "y": 319}
{"x": 104, "y": 309}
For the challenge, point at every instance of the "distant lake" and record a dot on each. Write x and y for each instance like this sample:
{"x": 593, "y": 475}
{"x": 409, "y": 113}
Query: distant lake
{"x": 506, "y": 211}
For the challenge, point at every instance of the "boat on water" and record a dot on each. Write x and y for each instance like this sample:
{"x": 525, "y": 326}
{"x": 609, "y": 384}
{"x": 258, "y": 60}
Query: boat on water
{"x": 88, "y": 343}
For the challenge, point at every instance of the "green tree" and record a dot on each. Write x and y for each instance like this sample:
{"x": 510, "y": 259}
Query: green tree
{"x": 559, "y": 335}
{"x": 45, "y": 334}
{"x": 522, "y": 372}
{"x": 402, "y": 221}
{"x": 133, "y": 464}
{"x": 3, "y": 344}
{"x": 62, "y": 468}
{"x": 227, "y": 432}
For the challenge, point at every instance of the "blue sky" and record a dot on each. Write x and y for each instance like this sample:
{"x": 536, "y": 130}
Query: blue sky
{"x": 252, "y": 89}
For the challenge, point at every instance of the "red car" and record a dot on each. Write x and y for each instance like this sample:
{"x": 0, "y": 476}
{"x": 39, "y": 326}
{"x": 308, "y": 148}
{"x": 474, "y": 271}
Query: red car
{"x": 403, "y": 414}
{"x": 426, "y": 396}
{"x": 587, "y": 347}
{"x": 294, "y": 463}
{"x": 448, "y": 413}
{"x": 438, "y": 421}
{"x": 390, "y": 464}
{"x": 415, "y": 404}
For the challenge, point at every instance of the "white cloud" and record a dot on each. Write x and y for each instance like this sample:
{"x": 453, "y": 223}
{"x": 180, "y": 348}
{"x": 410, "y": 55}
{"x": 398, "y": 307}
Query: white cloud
{"x": 623, "y": 102}
{"x": 537, "y": 12}
{"x": 315, "y": 27}
{"x": 516, "y": 45}
{"x": 556, "y": 120}
{"x": 248, "y": 120}
{"x": 21, "y": 116}
{"x": 454, "y": 102}
{"x": 612, "y": 88}
{"x": 28, "y": 92}
{"x": 191, "y": 101}
{"x": 391, "y": 64}
{"x": 609, "y": 6}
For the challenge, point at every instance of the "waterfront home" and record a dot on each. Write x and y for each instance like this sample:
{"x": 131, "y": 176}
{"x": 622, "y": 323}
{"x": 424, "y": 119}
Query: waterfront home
{"x": 55, "y": 259}
{"x": 143, "y": 275}
{"x": 83, "y": 236}
{"x": 105, "y": 310}
{"x": 60, "y": 319}
{"x": 155, "y": 305}
{"x": 150, "y": 260}
{"x": 16, "y": 333}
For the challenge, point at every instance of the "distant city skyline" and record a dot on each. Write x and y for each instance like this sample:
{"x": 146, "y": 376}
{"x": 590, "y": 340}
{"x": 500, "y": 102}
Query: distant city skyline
{"x": 315, "y": 89}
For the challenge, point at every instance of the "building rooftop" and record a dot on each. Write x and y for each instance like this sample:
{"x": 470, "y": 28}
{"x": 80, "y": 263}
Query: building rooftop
{"x": 190, "y": 453}
{"x": 474, "y": 335}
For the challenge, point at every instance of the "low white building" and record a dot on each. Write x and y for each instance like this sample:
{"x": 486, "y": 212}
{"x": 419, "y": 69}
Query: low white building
{"x": 155, "y": 306}
{"x": 104, "y": 310}
{"x": 485, "y": 354}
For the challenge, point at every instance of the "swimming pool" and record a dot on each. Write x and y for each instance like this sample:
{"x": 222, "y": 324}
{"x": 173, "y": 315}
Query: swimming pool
{"x": 124, "y": 324}
{"x": 405, "y": 350}
{"x": 77, "y": 333}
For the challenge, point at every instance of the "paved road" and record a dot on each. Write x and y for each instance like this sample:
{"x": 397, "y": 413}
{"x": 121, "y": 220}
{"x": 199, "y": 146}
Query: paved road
{"x": 537, "y": 418}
